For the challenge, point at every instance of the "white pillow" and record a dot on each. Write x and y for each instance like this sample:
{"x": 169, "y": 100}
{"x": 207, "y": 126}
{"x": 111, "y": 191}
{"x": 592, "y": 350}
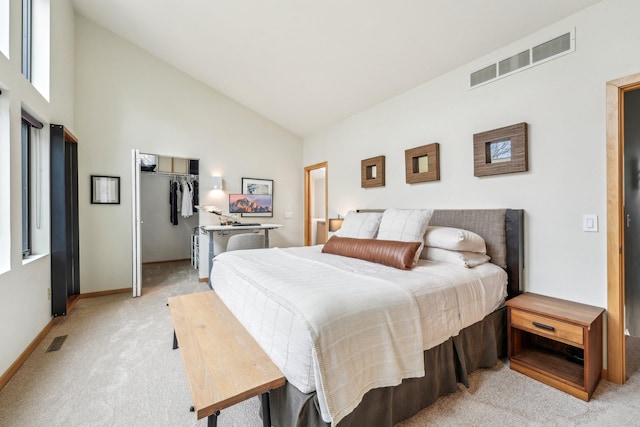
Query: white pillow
{"x": 405, "y": 225}
{"x": 461, "y": 258}
{"x": 454, "y": 239}
{"x": 360, "y": 225}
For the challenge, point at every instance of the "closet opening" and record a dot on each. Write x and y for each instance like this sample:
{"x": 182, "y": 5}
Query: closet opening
{"x": 168, "y": 191}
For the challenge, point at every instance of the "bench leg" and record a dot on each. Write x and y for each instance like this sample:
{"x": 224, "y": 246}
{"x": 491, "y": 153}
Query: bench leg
{"x": 266, "y": 412}
{"x": 212, "y": 420}
{"x": 175, "y": 340}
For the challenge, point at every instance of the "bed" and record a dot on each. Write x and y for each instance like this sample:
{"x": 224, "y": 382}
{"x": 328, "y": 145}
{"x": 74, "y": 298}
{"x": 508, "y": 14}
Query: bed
{"x": 367, "y": 343}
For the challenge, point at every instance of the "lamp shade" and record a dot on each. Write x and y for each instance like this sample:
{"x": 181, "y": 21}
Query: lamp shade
{"x": 217, "y": 183}
{"x": 335, "y": 224}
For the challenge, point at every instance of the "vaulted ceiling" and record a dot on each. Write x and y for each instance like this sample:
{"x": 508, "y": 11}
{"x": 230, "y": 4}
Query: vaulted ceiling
{"x": 306, "y": 64}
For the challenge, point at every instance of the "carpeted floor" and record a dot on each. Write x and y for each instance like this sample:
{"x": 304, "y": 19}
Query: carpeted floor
{"x": 116, "y": 368}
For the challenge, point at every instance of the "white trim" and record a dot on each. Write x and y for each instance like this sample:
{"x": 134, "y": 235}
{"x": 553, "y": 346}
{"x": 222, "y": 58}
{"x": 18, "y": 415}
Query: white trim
{"x": 136, "y": 282}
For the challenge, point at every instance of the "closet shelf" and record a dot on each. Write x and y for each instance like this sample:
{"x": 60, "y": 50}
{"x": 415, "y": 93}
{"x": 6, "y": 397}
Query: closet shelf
{"x": 186, "y": 175}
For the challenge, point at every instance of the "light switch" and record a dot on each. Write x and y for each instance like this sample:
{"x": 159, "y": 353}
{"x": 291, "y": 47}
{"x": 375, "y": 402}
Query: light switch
{"x": 590, "y": 223}
{"x": 288, "y": 215}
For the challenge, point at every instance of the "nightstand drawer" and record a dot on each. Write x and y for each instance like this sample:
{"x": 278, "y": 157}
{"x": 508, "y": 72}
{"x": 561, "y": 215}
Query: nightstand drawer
{"x": 546, "y": 326}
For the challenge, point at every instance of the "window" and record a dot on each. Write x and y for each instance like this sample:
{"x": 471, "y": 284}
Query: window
{"x": 36, "y": 44}
{"x": 27, "y": 19}
{"x": 31, "y": 180}
{"x": 26, "y": 189}
{"x": 4, "y": 27}
{"x": 5, "y": 187}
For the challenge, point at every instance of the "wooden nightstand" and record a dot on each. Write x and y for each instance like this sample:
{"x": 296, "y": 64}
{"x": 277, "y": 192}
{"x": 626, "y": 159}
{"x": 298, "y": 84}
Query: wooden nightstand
{"x": 556, "y": 342}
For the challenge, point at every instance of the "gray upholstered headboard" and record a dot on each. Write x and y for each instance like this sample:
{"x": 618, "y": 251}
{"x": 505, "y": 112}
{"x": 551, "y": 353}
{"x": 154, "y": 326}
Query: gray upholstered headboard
{"x": 502, "y": 230}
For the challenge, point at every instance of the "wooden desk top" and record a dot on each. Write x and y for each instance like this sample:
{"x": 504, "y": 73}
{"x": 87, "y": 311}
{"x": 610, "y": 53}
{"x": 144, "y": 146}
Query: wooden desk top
{"x": 240, "y": 227}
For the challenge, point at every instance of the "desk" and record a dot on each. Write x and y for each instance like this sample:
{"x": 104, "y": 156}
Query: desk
{"x": 226, "y": 229}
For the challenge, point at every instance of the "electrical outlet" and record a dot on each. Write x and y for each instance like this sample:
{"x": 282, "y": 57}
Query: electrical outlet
{"x": 49, "y": 294}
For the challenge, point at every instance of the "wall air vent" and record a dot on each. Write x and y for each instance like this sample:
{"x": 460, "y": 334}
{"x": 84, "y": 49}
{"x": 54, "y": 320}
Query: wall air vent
{"x": 552, "y": 48}
{"x": 543, "y": 52}
{"x": 484, "y": 75}
{"x": 513, "y": 63}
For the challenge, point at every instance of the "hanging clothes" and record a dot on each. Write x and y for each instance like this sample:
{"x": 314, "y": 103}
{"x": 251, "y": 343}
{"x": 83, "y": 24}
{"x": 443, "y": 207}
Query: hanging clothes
{"x": 173, "y": 202}
{"x": 196, "y": 198}
{"x": 187, "y": 207}
{"x": 179, "y": 200}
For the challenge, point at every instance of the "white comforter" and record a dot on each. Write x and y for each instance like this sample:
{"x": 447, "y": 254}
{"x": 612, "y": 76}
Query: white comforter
{"x": 343, "y": 326}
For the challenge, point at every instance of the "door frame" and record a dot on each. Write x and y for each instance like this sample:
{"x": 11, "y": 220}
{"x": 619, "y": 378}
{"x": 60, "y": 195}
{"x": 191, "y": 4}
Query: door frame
{"x": 136, "y": 248}
{"x": 307, "y": 197}
{"x": 616, "y": 359}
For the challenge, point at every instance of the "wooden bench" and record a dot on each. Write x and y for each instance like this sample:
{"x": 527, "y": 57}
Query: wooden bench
{"x": 224, "y": 364}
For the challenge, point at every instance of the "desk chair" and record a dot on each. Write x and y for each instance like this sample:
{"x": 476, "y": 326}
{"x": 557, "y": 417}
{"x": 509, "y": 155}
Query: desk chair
{"x": 245, "y": 241}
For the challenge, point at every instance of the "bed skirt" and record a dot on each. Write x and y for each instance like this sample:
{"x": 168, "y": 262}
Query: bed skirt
{"x": 477, "y": 346}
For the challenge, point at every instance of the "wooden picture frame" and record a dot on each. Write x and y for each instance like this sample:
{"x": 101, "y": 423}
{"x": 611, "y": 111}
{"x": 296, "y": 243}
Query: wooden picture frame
{"x": 372, "y": 172}
{"x": 105, "y": 190}
{"x": 501, "y": 151}
{"x": 258, "y": 186}
{"x": 422, "y": 164}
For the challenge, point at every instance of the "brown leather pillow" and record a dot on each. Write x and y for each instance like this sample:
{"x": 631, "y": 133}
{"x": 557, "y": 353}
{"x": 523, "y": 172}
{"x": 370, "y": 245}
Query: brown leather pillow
{"x": 388, "y": 252}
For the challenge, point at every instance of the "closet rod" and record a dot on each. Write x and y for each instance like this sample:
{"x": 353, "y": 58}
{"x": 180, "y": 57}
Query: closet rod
{"x": 190, "y": 175}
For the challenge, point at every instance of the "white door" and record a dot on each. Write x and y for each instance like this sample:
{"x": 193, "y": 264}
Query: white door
{"x": 135, "y": 208}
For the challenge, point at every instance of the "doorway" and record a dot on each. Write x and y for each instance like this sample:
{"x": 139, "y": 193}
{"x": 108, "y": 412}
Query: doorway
{"x": 631, "y": 144}
{"x": 616, "y": 224}
{"x": 315, "y": 204}
{"x": 165, "y": 220}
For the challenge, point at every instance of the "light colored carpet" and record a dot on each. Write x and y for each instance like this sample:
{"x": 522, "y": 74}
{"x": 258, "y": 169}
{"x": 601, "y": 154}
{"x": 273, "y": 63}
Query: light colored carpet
{"x": 117, "y": 368}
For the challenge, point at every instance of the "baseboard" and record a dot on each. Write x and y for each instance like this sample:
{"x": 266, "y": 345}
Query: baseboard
{"x": 168, "y": 260}
{"x": 105, "y": 293}
{"x": 203, "y": 279}
{"x": 6, "y": 377}
{"x": 71, "y": 302}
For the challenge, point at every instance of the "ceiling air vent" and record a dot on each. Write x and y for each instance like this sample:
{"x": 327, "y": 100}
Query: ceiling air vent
{"x": 551, "y": 49}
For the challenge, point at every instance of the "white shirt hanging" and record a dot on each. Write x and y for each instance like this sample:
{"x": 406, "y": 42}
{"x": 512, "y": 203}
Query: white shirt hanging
{"x": 187, "y": 207}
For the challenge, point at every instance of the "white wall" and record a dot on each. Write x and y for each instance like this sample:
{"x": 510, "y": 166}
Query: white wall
{"x": 126, "y": 98}
{"x": 24, "y": 305}
{"x": 563, "y": 102}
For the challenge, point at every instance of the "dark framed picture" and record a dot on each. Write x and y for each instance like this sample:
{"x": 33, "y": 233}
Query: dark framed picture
{"x": 105, "y": 190}
{"x": 501, "y": 151}
{"x": 258, "y": 187}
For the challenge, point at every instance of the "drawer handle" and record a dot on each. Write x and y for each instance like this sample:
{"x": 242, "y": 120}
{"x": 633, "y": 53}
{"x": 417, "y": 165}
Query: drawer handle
{"x": 543, "y": 326}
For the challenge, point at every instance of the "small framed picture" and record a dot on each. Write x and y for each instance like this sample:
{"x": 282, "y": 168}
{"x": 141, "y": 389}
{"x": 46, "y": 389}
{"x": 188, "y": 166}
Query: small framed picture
{"x": 372, "y": 172}
{"x": 257, "y": 187}
{"x": 422, "y": 164}
{"x": 105, "y": 189}
{"x": 501, "y": 151}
